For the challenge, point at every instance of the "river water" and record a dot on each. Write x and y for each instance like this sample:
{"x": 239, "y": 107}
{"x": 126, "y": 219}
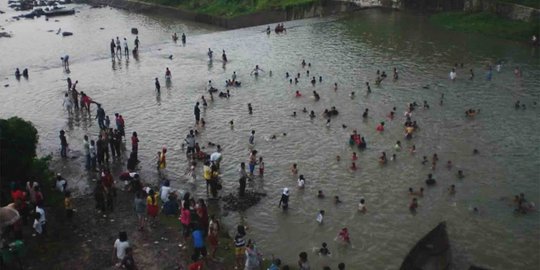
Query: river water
{"x": 346, "y": 50}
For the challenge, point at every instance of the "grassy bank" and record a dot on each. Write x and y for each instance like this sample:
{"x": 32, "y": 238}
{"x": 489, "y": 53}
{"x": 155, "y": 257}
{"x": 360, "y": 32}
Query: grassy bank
{"x": 485, "y": 23}
{"x": 230, "y": 8}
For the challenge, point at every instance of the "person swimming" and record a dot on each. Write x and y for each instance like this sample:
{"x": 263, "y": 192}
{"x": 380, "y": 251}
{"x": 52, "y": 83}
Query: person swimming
{"x": 256, "y": 70}
{"x": 460, "y": 174}
{"x": 316, "y": 96}
{"x": 320, "y": 194}
{"x": 414, "y": 205}
{"x": 337, "y": 200}
{"x": 298, "y": 94}
{"x": 312, "y": 114}
{"x": 362, "y": 206}
{"x": 430, "y": 181}
{"x": 382, "y": 158}
{"x": 324, "y": 251}
{"x": 452, "y": 190}
{"x": 365, "y": 114}
{"x": 294, "y": 169}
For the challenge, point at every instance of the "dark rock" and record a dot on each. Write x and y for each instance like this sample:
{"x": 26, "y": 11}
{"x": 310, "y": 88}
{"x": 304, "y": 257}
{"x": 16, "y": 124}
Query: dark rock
{"x": 65, "y": 34}
{"x": 233, "y": 202}
{"x": 4, "y": 34}
{"x": 134, "y": 31}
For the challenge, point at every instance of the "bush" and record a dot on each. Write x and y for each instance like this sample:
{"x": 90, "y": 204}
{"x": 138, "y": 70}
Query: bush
{"x": 18, "y": 162}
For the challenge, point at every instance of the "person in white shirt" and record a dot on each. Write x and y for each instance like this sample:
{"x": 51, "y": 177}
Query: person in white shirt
{"x": 320, "y": 216}
{"x": 362, "y": 206}
{"x": 42, "y": 219}
{"x": 61, "y": 183}
{"x": 120, "y": 246}
{"x": 301, "y": 181}
{"x": 453, "y": 74}
{"x": 165, "y": 191}
{"x": 126, "y": 50}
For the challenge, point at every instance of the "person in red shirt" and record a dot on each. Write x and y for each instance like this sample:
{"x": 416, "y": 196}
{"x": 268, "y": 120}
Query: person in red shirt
{"x": 106, "y": 178}
{"x": 197, "y": 263}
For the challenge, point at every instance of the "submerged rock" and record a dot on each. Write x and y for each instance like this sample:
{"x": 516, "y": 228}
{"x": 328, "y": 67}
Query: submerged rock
{"x": 4, "y": 34}
{"x": 235, "y": 203}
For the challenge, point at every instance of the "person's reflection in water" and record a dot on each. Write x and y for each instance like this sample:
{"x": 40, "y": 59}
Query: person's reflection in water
{"x": 113, "y": 64}
{"x": 168, "y": 84}
{"x": 158, "y": 98}
{"x": 127, "y": 63}
{"x": 136, "y": 55}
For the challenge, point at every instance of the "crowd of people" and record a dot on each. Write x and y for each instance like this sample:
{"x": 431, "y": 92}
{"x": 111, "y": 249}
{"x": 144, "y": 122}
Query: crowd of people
{"x": 200, "y": 229}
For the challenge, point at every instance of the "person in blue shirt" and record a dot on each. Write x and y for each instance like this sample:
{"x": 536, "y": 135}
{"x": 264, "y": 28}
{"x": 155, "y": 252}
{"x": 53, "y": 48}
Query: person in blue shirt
{"x": 198, "y": 242}
{"x": 275, "y": 264}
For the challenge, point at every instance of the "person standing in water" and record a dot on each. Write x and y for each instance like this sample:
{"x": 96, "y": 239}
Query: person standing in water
{"x": 158, "y": 86}
{"x": 284, "y": 201}
{"x": 137, "y": 42}
{"x": 183, "y": 38}
{"x": 68, "y": 104}
{"x": 126, "y": 49}
{"x": 243, "y": 177}
{"x": 100, "y": 116}
{"x": 197, "y": 113}
{"x": 252, "y": 138}
{"x": 113, "y": 47}
{"x": 63, "y": 144}
{"x": 224, "y": 57}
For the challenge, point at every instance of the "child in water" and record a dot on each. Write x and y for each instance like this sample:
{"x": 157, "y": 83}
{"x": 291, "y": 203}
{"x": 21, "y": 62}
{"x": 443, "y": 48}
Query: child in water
{"x": 301, "y": 182}
{"x": 323, "y": 251}
{"x": 344, "y": 236}
{"x": 261, "y": 166}
{"x": 362, "y": 206}
{"x": 294, "y": 169}
{"x": 320, "y": 216}
{"x": 284, "y": 201}
{"x": 413, "y": 205}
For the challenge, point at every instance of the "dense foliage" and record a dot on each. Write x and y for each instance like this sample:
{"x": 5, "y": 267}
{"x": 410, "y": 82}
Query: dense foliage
{"x": 230, "y": 8}
{"x": 18, "y": 162}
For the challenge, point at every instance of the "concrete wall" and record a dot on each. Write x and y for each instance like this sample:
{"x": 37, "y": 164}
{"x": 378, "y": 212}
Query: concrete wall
{"x": 505, "y": 10}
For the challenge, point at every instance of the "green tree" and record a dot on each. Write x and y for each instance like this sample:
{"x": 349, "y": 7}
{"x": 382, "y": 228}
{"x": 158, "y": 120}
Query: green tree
{"x": 18, "y": 140}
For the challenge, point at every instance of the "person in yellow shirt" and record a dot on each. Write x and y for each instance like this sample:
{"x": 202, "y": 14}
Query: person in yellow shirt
{"x": 152, "y": 208}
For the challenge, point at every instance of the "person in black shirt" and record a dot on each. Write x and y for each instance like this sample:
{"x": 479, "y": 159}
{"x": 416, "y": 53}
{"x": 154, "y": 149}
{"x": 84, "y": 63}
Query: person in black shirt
{"x": 197, "y": 113}
{"x": 63, "y": 144}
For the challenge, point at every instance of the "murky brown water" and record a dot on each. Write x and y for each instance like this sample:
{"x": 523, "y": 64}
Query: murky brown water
{"x": 347, "y": 51}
